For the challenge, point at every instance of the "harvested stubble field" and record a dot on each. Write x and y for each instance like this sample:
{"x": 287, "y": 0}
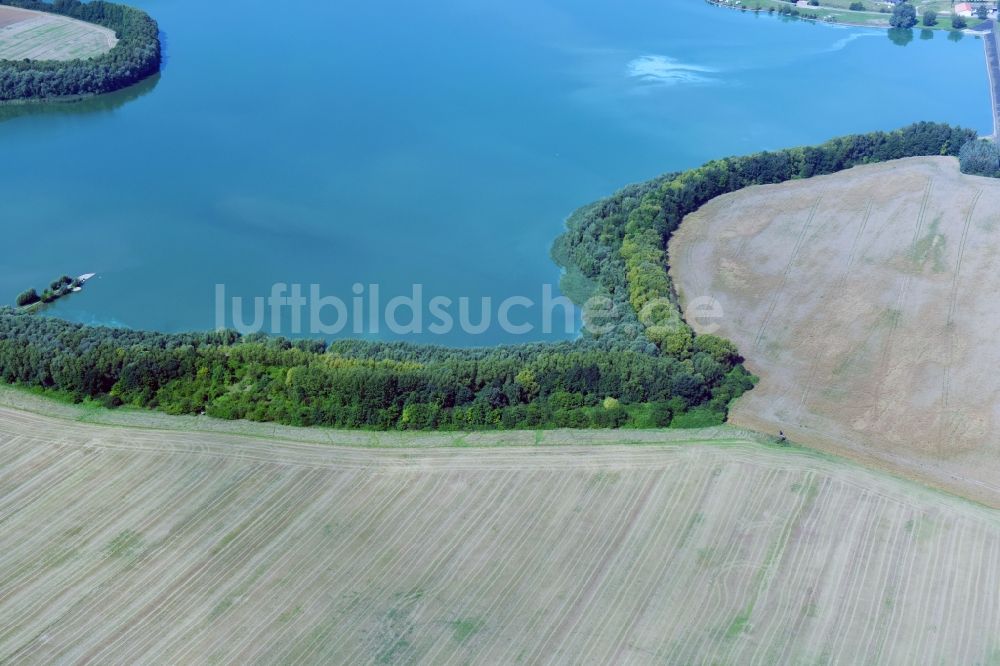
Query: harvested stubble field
{"x": 44, "y": 36}
{"x": 133, "y": 545}
{"x": 867, "y": 301}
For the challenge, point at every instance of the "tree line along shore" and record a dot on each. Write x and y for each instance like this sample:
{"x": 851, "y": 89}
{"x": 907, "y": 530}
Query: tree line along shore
{"x": 134, "y": 57}
{"x": 648, "y": 370}
{"x": 871, "y": 13}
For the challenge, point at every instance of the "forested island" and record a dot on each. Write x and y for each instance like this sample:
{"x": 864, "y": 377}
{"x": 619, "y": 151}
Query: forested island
{"x": 136, "y": 55}
{"x": 648, "y": 370}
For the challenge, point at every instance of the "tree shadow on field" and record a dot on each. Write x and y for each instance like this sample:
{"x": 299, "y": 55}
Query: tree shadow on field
{"x": 106, "y": 103}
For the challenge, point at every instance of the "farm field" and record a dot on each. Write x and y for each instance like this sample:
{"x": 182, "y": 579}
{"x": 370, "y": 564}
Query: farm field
{"x": 867, "y": 303}
{"x": 44, "y": 36}
{"x": 158, "y": 546}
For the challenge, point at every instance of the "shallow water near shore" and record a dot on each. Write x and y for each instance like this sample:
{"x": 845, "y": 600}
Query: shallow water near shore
{"x": 440, "y": 144}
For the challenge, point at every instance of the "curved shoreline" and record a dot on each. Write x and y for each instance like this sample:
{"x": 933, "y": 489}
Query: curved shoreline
{"x": 989, "y": 43}
{"x": 800, "y": 16}
{"x": 993, "y": 72}
{"x": 817, "y": 19}
{"x": 62, "y": 99}
{"x": 134, "y": 57}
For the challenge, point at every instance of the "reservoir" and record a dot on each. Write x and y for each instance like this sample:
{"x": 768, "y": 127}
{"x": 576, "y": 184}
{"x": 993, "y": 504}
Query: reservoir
{"x": 440, "y": 144}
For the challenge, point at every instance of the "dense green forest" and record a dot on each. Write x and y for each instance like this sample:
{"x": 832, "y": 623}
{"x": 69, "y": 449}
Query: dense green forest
{"x": 355, "y": 384}
{"x": 648, "y": 369}
{"x": 133, "y": 58}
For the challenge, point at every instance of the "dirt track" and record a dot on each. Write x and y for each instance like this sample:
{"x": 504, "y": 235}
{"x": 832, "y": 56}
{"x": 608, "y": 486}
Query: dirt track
{"x": 869, "y": 303}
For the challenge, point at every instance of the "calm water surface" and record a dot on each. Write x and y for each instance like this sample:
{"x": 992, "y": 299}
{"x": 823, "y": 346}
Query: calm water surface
{"x": 440, "y": 143}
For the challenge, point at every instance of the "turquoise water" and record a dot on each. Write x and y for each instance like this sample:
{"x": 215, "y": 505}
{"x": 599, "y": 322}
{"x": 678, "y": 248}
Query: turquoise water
{"x": 438, "y": 143}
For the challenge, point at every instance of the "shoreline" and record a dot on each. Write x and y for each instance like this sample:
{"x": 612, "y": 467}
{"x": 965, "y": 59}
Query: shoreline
{"x": 62, "y": 99}
{"x": 134, "y": 56}
{"x": 817, "y": 19}
{"x": 989, "y": 37}
{"x": 800, "y": 17}
{"x": 993, "y": 76}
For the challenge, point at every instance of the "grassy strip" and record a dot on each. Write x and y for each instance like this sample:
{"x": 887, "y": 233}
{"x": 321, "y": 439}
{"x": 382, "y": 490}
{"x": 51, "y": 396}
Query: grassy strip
{"x": 91, "y": 413}
{"x": 61, "y": 406}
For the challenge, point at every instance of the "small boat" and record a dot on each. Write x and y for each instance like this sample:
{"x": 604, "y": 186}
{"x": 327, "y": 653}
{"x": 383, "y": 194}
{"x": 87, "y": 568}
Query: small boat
{"x": 82, "y": 280}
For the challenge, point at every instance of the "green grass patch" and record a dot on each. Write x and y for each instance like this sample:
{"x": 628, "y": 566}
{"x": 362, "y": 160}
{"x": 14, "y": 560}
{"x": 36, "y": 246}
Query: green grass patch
{"x": 126, "y": 544}
{"x": 463, "y": 630}
{"x": 738, "y": 625}
{"x": 701, "y": 417}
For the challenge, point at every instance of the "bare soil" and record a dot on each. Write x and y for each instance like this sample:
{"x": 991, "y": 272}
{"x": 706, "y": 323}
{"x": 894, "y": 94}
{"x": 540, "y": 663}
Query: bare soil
{"x": 45, "y": 36}
{"x": 869, "y": 304}
{"x": 12, "y": 15}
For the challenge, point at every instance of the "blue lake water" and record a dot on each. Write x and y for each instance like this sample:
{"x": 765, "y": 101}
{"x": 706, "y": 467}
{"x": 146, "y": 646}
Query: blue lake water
{"x": 440, "y": 143}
